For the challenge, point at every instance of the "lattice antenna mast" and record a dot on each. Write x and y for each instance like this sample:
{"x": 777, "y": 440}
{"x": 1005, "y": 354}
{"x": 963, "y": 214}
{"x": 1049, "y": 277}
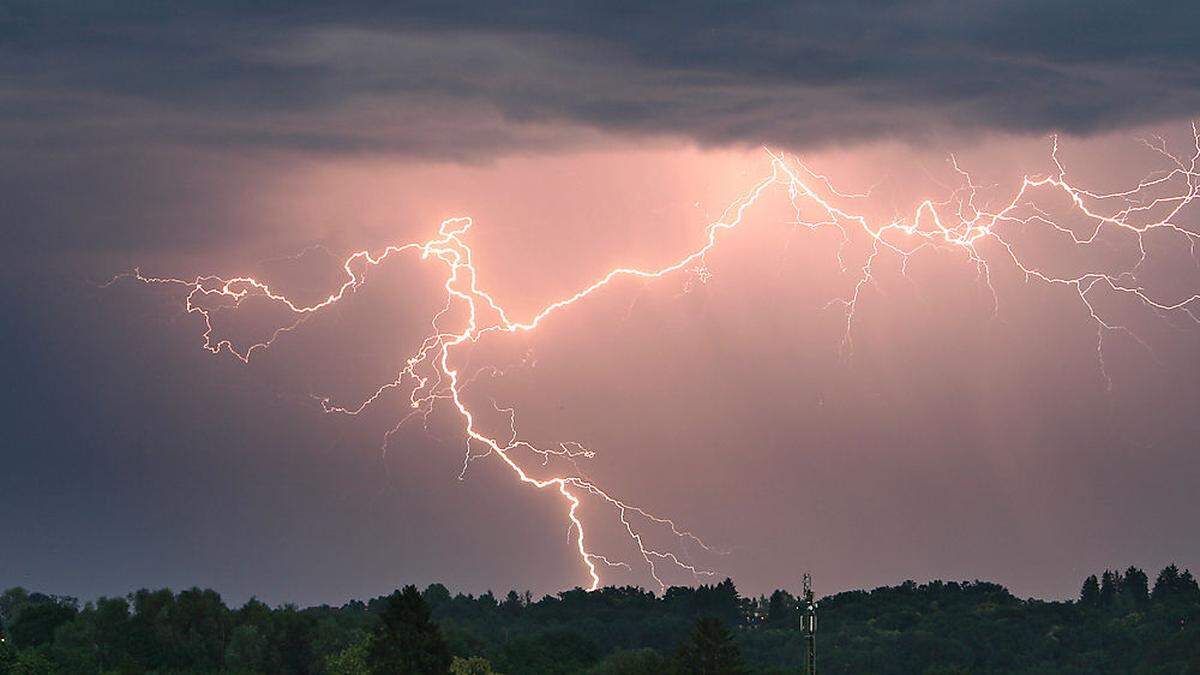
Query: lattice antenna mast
{"x": 808, "y": 626}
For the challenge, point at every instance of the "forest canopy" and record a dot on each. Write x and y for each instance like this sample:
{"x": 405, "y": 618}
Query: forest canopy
{"x": 1122, "y": 622}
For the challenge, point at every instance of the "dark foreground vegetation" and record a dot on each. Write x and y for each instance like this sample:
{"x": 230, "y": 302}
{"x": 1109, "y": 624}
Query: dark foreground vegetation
{"x": 1121, "y": 624}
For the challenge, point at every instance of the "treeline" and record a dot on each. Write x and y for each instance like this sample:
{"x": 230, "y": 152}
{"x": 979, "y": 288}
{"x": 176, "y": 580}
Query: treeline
{"x": 1121, "y": 623}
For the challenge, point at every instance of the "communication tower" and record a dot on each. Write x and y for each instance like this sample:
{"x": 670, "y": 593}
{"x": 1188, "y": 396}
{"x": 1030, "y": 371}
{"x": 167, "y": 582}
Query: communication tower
{"x": 808, "y": 626}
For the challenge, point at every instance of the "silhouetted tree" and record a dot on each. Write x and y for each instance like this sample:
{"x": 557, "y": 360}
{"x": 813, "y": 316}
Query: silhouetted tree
{"x": 110, "y": 626}
{"x": 728, "y": 602}
{"x": 1089, "y": 596}
{"x": 150, "y": 638}
{"x": 200, "y": 625}
{"x": 779, "y": 609}
{"x": 488, "y": 600}
{"x": 710, "y": 650}
{"x": 406, "y": 639}
{"x": 1135, "y": 586}
{"x": 35, "y": 623}
{"x": 1174, "y": 585}
{"x": 292, "y": 634}
{"x": 11, "y": 603}
{"x": 436, "y": 595}
{"x": 512, "y": 604}
{"x": 1110, "y": 587}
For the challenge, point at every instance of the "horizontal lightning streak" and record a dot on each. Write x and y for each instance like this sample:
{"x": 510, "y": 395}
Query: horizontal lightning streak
{"x": 956, "y": 223}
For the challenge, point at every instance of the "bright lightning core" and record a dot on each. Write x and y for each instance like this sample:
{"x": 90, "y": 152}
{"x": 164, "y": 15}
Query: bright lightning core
{"x": 962, "y": 220}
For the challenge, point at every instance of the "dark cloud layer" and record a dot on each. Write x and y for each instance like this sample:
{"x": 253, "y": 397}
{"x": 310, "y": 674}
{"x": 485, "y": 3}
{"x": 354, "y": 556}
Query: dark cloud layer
{"x": 459, "y": 79}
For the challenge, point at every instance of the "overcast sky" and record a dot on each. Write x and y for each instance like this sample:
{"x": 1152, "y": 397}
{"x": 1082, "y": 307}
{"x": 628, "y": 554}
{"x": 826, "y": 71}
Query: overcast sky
{"x": 959, "y": 433}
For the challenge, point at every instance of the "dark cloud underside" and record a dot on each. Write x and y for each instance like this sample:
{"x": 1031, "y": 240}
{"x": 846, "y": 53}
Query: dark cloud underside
{"x": 455, "y": 79}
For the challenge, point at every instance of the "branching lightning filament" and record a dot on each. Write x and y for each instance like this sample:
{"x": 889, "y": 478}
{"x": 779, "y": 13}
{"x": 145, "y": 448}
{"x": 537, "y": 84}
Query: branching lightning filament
{"x": 433, "y": 376}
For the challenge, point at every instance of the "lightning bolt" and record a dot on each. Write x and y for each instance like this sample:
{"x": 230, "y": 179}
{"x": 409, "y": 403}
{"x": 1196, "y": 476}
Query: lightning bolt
{"x": 961, "y": 222}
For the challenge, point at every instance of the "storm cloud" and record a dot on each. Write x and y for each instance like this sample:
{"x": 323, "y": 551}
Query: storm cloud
{"x": 464, "y": 80}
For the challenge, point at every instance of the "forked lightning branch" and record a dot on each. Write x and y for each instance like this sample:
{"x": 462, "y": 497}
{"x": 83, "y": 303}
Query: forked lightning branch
{"x": 959, "y": 221}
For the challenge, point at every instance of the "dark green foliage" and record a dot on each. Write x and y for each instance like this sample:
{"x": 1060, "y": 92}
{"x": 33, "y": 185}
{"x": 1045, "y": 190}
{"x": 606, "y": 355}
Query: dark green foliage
{"x": 552, "y": 652}
{"x": 1110, "y": 582}
{"x": 11, "y": 602}
{"x": 8, "y": 656}
{"x": 293, "y": 634}
{"x": 1135, "y": 589}
{"x": 782, "y": 610}
{"x": 476, "y": 665}
{"x": 34, "y": 662}
{"x": 1089, "y": 596}
{"x": 406, "y": 640}
{"x": 710, "y": 650}
{"x": 35, "y": 624}
{"x": 1175, "y": 585}
{"x": 247, "y": 650}
{"x": 632, "y": 662}
{"x": 350, "y": 661}
{"x": 939, "y": 628}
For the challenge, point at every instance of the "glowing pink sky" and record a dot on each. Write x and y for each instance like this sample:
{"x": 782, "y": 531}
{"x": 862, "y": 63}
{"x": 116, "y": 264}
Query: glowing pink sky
{"x": 943, "y": 442}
